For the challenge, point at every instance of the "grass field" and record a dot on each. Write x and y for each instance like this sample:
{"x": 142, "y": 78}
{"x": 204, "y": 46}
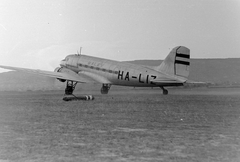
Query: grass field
{"x": 125, "y": 125}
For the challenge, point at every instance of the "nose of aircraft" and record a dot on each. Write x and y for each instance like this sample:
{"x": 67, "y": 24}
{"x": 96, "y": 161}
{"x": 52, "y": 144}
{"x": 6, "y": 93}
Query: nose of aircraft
{"x": 63, "y": 63}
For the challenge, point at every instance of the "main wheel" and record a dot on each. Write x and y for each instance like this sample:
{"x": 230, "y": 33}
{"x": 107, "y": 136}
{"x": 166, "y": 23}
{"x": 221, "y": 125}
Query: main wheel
{"x": 104, "y": 90}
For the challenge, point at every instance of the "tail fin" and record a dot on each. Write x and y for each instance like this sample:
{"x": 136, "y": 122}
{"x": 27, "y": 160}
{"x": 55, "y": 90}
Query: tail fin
{"x": 176, "y": 63}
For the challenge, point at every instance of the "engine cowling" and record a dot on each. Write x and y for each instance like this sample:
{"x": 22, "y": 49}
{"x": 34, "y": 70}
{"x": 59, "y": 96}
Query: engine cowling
{"x": 58, "y": 70}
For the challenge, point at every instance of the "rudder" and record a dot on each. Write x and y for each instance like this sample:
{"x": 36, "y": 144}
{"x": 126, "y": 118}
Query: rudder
{"x": 176, "y": 63}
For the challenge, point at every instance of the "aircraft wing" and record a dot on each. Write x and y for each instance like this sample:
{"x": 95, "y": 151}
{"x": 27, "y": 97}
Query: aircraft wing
{"x": 59, "y": 75}
{"x": 94, "y": 77}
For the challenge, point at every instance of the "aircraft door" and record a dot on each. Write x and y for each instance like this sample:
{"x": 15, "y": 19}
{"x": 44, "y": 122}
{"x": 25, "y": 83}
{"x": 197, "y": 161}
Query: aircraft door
{"x": 115, "y": 72}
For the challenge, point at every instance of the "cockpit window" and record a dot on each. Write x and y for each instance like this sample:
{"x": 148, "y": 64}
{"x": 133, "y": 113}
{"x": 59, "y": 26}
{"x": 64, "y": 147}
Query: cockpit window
{"x": 66, "y": 59}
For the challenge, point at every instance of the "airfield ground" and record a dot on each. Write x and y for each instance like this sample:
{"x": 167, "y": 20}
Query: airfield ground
{"x": 125, "y": 125}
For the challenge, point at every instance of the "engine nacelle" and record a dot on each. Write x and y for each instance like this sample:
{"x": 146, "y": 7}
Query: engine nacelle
{"x": 61, "y": 80}
{"x": 58, "y": 70}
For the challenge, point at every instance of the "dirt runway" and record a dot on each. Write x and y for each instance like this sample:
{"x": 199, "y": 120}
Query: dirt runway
{"x": 125, "y": 125}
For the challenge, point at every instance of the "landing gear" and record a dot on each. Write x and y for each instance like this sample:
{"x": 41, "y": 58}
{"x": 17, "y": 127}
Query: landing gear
{"x": 70, "y": 87}
{"x": 69, "y": 96}
{"x": 165, "y": 92}
{"x": 105, "y": 88}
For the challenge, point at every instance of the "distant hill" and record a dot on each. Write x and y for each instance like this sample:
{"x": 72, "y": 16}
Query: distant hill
{"x": 19, "y": 81}
{"x": 217, "y": 71}
{"x": 220, "y": 72}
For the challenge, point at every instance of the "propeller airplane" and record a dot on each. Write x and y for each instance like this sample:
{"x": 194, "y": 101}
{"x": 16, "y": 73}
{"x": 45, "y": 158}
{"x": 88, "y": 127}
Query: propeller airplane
{"x": 78, "y": 68}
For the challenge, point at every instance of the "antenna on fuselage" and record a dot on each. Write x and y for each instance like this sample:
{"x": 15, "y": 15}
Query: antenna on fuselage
{"x": 79, "y": 52}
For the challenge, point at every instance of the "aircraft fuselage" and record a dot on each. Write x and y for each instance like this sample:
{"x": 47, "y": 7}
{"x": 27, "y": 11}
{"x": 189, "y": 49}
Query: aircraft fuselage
{"x": 113, "y": 72}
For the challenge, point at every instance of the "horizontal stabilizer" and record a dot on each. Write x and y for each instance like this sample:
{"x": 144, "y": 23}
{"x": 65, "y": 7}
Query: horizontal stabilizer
{"x": 165, "y": 81}
{"x": 169, "y": 81}
{"x": 194, "y": 82}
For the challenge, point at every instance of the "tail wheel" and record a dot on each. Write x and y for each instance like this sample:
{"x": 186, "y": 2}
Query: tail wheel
{"x": 165, "y": 92}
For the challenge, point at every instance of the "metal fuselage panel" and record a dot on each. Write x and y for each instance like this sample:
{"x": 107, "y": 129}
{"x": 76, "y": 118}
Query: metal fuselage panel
{"x": 116, "y": 73}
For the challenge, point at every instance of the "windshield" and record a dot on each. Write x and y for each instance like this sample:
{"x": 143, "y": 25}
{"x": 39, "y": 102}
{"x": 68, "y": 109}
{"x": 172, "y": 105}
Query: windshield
{"x": 65, "y": 59}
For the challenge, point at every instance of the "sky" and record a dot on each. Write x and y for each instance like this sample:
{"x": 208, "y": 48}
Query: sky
{"x": 39, "y": 33}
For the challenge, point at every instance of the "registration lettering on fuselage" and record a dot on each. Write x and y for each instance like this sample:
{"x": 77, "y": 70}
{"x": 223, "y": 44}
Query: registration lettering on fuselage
{"x": 126, "y": 76}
